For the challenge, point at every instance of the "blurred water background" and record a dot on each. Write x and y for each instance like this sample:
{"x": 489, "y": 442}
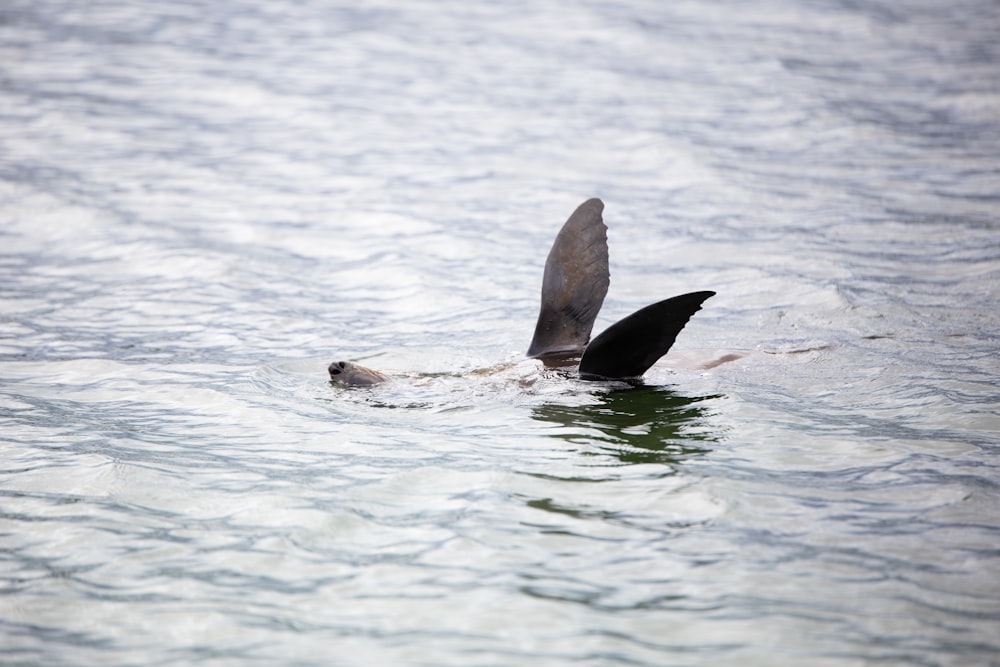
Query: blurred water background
{"x": 202, "y": 204}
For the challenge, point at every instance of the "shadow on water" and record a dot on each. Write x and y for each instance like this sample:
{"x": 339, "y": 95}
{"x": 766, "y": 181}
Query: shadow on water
{"x": 637, "y": 425}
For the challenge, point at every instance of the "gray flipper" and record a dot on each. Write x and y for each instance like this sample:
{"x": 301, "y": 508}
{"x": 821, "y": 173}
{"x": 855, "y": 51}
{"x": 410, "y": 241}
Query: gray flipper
{"x": 626, "y": 349}
{"x": 574, "y": 285}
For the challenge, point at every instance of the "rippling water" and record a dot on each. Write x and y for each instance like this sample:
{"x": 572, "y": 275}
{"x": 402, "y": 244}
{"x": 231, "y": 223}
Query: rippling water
{"x": 203, "y": 204}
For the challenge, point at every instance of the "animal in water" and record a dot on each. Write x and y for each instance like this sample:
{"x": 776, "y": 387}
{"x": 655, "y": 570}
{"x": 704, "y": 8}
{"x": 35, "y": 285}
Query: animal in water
{"x": 574, "y": 285}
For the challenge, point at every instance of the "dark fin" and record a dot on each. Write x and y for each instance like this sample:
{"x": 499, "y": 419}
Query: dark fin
{"x": 627, "y": 348}
{"x": 575, "y": 283}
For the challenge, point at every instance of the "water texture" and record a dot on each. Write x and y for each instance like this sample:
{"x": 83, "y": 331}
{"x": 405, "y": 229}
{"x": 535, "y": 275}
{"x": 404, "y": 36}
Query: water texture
{"x": 203, "y": 204}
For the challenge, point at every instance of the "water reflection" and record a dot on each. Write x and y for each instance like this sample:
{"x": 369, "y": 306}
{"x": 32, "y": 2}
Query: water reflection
{"x": 640, "y": 424}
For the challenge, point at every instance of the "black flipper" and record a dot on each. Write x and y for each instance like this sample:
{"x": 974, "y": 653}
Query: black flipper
{"x": 626, "y": 349}
{"x": 575, "y": 283}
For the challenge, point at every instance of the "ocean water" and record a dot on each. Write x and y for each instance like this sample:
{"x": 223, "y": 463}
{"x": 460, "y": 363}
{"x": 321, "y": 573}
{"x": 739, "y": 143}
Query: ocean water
{"x": 204, "y": 204}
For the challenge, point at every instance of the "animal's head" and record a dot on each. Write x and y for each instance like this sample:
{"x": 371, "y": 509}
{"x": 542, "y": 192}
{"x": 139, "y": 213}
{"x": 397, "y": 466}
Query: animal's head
{"x": 353, "y": 375}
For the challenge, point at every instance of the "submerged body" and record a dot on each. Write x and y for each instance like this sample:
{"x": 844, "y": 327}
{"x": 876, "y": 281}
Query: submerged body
{"x": 574, "y": 285}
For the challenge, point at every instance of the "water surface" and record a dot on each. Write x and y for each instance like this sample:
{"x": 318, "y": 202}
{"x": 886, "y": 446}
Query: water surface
{"x": 203, "y": 204}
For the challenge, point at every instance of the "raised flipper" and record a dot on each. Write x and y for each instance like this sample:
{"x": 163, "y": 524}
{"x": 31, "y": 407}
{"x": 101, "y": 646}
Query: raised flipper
{"x": 574, "y": 285}
{"x": 626, "y": 349}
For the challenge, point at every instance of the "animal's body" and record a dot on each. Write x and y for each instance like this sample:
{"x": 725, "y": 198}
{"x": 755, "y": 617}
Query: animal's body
{"x": 574, "y": 285}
